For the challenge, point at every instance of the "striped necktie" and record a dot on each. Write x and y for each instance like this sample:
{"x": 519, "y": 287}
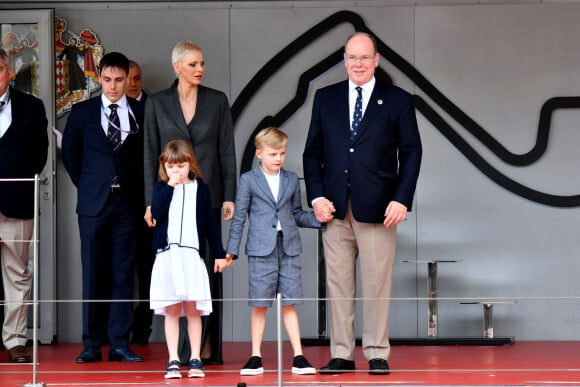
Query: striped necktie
{"x": 114, "y": 129}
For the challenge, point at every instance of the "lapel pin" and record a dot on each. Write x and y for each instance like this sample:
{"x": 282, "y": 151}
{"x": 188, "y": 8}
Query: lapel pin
{"x": 380, "y": 101}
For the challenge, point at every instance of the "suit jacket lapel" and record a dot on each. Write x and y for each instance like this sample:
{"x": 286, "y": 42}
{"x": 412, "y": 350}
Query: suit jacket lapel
{"x": 134, "y": 131}
{"x": 95, "y": 113}
{"x": 344, "y": 108}
{"x": 372, "y": 109}
{"x": 19, "y": 113}
{"x": 173, "y": 102}
{"x": 282, "y": 185}
{"x": 262, "y": 183}
{"x": 16, "y": 113}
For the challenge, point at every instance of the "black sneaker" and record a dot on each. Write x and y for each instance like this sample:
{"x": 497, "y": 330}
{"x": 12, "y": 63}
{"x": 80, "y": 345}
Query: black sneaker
{"x": 253, "y": 367}
{"x": 378, "y": 367}
{"x": 301, "y": 366}
{"x": 173, "y": 370}
{"x": 195, "y": 369}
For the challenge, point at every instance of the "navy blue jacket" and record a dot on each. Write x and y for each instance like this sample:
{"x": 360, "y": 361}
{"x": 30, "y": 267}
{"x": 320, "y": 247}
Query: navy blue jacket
{"x": 91, "y": 162}
{"x": 206, "y": 226}
{"x": 380, "y": 165}
{"x": 23, "y": 153}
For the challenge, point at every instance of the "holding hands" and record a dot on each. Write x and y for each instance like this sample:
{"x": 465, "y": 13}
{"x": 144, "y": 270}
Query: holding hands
{"x": 221, "y": 264}
{"x": 323, "y": 209}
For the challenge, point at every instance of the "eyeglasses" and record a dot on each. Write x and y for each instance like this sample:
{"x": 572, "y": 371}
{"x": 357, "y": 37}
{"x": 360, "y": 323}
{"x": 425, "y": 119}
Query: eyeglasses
{"x": 362, "y": 59}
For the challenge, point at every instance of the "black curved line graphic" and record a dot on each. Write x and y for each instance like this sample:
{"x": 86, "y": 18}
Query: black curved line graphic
{"x": 547, "y": 110}
{"x": 487, "y": 169}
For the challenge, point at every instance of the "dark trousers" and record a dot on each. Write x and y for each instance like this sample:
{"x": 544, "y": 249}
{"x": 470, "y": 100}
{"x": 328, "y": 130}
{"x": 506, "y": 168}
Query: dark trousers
{"x": 212, "y": 324}
{"x": 108, "y": 263}
{"x": 144, "y": 258}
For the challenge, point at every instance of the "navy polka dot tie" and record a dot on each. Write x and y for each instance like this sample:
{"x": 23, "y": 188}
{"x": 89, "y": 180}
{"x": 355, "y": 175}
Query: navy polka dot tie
{"x": 357, "y": 116}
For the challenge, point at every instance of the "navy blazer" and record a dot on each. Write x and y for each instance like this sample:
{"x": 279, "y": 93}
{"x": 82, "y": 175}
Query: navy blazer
{"x": 23, "y": 153}
{"x": 91, "y": 162}
{"x": 255, "y": 201}
{"x": 206, "y": 226}
{"x": 380, "y": 165}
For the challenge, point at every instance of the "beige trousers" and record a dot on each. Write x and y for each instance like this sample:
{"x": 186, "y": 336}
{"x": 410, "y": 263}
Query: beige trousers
{"x": 16, "y": 277}
{"x": 374, "y": 244}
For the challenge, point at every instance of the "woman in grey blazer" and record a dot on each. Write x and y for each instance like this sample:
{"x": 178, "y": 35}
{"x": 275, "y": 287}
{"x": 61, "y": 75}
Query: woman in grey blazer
{"x": 201, "y": 116}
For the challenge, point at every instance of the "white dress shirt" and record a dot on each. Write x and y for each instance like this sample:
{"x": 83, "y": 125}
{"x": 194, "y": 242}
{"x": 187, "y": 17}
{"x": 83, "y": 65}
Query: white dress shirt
{"x": 367, "y": 90}
{"x": 274, "y": 183}
{"x": 122, "y": 112}
{"x": 5, "y": 113}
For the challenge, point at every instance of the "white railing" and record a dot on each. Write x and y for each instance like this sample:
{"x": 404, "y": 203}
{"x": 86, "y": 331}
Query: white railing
{"x": 34, "y": 302}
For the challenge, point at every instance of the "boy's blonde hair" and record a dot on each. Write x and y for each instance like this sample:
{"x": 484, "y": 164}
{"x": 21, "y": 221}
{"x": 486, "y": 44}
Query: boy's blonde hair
{"x": 272, "y": 137}
{"x": 179, "y": 151}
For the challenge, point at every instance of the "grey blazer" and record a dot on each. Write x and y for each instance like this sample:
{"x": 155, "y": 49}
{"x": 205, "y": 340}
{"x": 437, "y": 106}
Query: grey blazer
{"x": 255, "y": 201}
{"x": 212, "y": 139}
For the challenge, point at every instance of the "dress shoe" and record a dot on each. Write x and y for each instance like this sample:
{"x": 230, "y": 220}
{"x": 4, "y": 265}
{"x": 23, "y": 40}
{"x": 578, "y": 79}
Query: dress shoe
{"x": 89, "y": 355}
{"x": 18, "y": 354}
{"x": 125, "y": 355}
{"x": 337, "y": 366}
{"x": 378, "y": 367}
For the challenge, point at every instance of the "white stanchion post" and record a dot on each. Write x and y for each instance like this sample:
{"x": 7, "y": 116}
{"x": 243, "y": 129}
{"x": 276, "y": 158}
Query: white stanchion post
{"x": 35, "y": 286}
{"x": 279, "y": 319}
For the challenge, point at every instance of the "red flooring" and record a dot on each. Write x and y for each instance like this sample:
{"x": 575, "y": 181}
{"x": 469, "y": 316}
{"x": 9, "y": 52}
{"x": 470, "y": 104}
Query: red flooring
{"x": 526, "y": 363}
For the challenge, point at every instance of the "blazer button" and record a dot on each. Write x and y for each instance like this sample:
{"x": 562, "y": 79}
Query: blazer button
{"x": 273, "y": 226}
{"x": 351, "y": 150}
{"x": 346, "y": 171}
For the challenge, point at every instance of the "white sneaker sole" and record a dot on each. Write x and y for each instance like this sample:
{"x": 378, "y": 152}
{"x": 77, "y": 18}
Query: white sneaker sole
{"x": 304, "y": 371}
{"x": 252, "y": 371}
{"x": 195, "y": 374}
{"x": 176, "y": 375}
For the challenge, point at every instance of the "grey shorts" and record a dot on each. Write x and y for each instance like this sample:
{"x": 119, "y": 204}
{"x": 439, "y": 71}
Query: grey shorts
{"x": 272, "y": 274}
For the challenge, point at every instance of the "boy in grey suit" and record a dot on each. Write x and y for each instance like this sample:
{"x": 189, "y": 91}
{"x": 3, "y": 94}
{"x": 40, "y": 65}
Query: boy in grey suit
{"x": 270, "y": 197}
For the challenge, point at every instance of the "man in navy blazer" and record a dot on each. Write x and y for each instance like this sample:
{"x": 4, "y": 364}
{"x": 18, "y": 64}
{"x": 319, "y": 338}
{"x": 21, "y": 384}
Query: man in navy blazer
{"x": 110, "y": 202}
{"x": 23, "y": 153}
{"x": 361, "y": 164}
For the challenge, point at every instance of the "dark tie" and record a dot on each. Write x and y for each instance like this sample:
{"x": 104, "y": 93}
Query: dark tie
{"x": 114, "y": 129}
{"x": 357, "y": 116}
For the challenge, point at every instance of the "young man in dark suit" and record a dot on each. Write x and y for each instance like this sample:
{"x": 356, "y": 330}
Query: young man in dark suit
{"x": 23, "y": 153}
{"x": 361, "y": 164}
{"x": 102, "y": 151}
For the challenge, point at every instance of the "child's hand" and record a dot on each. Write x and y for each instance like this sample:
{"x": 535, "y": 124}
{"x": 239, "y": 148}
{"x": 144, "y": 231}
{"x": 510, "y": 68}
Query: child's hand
{"x": 228, "y": 210}
{"x": 220, "y": 264}
{"x": 230, "y": 260}
{"x": 174, "y": 179}
{"x": 323, "y": 210}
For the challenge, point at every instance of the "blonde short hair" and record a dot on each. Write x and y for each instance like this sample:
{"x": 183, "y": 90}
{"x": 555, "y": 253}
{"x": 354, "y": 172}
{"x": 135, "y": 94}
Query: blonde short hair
{"x": 181, "y": 49}
{"x": 272, "y": 137}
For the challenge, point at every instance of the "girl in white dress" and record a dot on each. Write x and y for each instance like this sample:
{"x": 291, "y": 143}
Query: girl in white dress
{"x": 181, "y": 206}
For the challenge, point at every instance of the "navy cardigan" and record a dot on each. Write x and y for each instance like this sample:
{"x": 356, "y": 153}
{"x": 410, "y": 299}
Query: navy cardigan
{"x": 206, "y": 223}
